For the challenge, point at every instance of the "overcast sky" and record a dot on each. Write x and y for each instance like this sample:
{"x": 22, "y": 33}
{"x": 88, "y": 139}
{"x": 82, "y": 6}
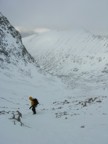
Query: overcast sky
{"x": 56, "y": 13}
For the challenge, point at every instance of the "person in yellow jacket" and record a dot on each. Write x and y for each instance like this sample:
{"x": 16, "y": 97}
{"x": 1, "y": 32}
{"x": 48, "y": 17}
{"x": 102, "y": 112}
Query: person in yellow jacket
{"x": 34, "y": 103}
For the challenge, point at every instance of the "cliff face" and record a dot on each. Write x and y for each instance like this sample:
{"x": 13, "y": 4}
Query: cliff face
{"x": 12, "y": 51}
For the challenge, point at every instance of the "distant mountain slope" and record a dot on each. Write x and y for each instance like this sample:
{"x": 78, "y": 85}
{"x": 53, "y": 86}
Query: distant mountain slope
{"x": 12, "y": 51}
{"x": 72, "y": 55}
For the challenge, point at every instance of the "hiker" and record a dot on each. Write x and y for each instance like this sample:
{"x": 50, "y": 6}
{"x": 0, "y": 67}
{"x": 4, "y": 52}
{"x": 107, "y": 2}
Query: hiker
{"x": 34, "y": 103}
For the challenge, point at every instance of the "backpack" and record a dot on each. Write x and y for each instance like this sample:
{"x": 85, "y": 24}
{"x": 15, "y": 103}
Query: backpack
{"x": 35, "y": 101}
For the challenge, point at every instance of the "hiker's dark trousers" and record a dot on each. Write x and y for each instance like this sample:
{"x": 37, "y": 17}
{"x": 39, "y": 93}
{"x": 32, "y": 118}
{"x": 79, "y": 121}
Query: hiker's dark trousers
{"x": 34, "y": 109}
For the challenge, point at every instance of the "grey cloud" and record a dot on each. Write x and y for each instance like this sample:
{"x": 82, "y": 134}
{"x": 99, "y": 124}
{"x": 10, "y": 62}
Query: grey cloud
{"x": 56, "y": 13}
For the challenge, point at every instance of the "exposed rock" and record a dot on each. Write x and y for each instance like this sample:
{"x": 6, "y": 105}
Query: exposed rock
{"x": 12, "y": 51}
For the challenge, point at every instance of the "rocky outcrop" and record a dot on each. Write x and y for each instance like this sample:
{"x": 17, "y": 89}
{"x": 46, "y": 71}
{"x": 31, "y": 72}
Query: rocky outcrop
{"x": 12, "y": 51}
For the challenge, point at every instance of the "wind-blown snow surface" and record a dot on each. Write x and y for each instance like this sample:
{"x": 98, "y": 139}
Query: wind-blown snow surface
{"x": 78, "y": 115}
{"x": 62, "y": 116}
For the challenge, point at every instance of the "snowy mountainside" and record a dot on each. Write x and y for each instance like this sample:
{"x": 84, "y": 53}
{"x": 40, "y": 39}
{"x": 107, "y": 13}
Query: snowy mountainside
{"x": 13, "y": 54}
{"x": 64, "y": 115}
{"x": 77, "y": 56}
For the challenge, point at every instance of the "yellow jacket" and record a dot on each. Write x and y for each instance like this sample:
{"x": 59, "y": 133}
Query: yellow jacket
{"x": 33, "y": 101}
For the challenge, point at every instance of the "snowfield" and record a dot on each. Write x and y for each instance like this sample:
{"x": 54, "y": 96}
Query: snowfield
{"x": 71, "y": 84}
{"x": 63, "y": 115}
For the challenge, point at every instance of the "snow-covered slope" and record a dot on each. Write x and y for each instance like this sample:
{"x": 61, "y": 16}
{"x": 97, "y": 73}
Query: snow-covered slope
{"x": 76, "y": 56}
{"x": 77, "y": 116}
{"x": 63, "y": 116}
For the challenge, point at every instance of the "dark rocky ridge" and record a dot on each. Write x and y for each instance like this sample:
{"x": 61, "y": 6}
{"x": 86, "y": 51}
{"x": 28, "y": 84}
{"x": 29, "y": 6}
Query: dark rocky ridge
{"x": 12, "y": 51}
